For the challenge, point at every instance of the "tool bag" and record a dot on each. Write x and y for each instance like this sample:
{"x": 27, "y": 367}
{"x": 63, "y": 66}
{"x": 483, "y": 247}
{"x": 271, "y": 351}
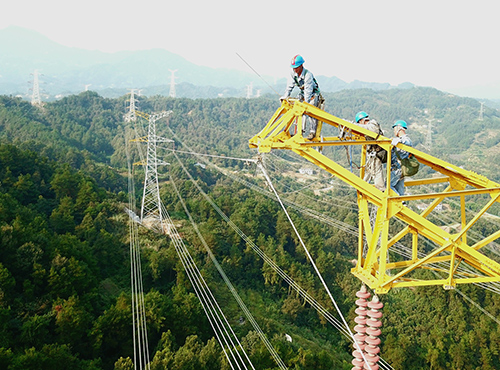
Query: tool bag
{"x": 381, "y": 154}
{"x": 409, "y": 165}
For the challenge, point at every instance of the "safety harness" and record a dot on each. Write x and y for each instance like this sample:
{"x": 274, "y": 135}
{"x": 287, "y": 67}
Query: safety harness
{"x": 316, "y": 90}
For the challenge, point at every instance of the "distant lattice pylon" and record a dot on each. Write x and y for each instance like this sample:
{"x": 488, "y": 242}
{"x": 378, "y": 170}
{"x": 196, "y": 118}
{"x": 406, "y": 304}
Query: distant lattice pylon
{"x": 35, "y": 97}
{"x": 130, "y": 115}
{"x": 172, "y": 83}
{"x": 249, "y": 90}
{"x": 151, "y": 210}
{"x": 428, "y": 138}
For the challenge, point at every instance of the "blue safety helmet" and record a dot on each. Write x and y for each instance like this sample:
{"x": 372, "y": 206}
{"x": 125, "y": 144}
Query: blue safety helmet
{"x": 400, "y": 123}
{"x": 297, "y": 61}
{"x": 360, "y": 116}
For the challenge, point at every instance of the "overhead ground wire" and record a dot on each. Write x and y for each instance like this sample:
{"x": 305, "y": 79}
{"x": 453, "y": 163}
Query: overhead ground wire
{"x": 257, "y": 73}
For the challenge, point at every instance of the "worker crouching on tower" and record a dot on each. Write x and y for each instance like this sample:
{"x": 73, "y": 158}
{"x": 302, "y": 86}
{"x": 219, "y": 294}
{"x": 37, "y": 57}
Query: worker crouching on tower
{"x": 374, "y": 169}
{"x": 309, "y": 91}
{"x": 398, "y": 155}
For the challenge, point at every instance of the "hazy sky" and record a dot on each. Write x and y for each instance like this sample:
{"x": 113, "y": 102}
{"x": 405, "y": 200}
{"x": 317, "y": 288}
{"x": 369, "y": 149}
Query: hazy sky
{"x": 441, "y": 43}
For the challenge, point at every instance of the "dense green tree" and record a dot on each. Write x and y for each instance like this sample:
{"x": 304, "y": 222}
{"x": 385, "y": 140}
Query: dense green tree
{"x": 35, "y": 329}
{"x": 73, "y": 322}
{"x": 51, "y": 357}
{"x": 111, "y": 332}
{"x": 165, "y": 353}
{"x": 187, "y": 357}
{"x": 7, "y": 283}
{"x": 210, "y": 356}
{"x": 62, "y": 218}
{"x": 124, "y": 364}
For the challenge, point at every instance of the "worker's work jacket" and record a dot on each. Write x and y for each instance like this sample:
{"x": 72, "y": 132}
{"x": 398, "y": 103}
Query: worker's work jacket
{"x": 307, "y": 84}
{"x": 405, "y": 139}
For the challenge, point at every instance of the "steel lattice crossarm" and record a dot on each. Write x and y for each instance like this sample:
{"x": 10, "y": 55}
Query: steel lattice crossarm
{"x": 454, "y": 259}
{"x": 151, "y": 118}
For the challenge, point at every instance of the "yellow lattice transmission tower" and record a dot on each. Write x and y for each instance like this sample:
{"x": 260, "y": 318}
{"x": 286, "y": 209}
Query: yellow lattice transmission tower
{"x": 453, "y": 260}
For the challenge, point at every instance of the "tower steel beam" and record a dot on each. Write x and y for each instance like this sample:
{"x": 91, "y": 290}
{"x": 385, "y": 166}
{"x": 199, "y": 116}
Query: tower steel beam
{"x": 374, "y": 267}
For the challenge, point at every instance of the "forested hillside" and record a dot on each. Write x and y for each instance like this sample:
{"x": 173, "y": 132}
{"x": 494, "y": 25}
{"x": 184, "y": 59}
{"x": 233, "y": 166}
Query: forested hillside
{"x": 65, "y": 298}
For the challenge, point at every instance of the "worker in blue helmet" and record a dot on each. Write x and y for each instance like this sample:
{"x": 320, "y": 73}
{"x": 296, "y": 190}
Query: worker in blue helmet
{"x": 360, "y": 115}
{"x": 400, "y": 136}
{"x": 308, "y": 91}
{"x": 374, "y": 168}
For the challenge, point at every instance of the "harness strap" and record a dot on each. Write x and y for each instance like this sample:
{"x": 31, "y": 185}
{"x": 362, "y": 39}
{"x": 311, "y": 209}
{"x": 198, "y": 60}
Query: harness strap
{"x": 316, "y": 89}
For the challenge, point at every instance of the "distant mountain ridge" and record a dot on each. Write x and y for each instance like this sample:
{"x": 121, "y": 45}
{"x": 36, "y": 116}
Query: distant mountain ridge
{"x": 67, "y": 70}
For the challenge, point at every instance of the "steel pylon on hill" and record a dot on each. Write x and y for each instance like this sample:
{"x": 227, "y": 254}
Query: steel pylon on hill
{"x": 35, "y": 97}
{"x": 151, "y": 210}
{"x": 456, "y": 261}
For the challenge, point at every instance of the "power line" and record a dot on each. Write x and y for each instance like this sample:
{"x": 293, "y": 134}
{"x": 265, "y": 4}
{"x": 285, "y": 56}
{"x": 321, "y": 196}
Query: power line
{"x": 247, "y": 313}
{"x": 257, "y": 73}
{"x": 163, "y": 224}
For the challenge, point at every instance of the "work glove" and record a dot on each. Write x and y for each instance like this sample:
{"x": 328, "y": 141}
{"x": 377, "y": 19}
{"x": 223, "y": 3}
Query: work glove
{"x": 395, "y": 141}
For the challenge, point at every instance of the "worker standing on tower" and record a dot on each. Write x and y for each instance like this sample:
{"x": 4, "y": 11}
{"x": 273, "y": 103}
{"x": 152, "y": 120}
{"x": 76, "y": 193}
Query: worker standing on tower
{"x": 374, "y": 169}
{"x": 309, "y": 91}
{"x": 397, "y": 177}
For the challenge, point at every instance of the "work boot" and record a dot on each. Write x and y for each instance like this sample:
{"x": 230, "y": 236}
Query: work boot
{"x": 311, "y": 135}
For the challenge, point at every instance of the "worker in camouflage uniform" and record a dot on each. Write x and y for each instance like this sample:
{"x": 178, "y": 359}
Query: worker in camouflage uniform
{"x": 400, "y": 136}
{"x": 374, "y": 169}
